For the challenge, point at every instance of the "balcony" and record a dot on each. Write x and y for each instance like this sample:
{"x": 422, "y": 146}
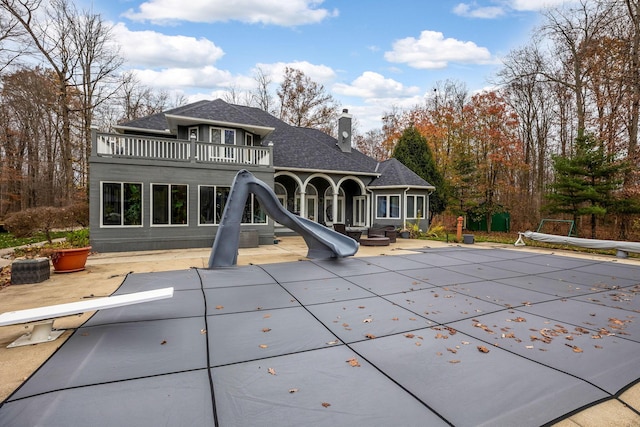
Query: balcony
{"x": 143, "y": 147}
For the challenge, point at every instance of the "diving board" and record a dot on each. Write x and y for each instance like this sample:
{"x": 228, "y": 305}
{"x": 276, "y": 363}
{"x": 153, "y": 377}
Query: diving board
{"x": 43, "y": 332}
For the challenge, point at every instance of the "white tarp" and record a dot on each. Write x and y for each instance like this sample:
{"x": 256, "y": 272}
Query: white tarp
{"x": 584, "y": 243}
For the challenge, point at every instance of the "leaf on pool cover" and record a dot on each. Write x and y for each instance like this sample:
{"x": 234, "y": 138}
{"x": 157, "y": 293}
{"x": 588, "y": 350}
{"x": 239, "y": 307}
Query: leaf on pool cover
{"x": 575, "y": 348}
{"x": 395, "y": 319}
{"x": 370, "y": 336}
{"x": 454, "y": 361}
{"x": 271, "y": 371}
{"x": 439, "y": 336}
{"x": 163, "y": 342}
{"x": 367, "y": 320}
{"x": 409, "y": 335}
{"x": 266, "y": 329}
{"x": 263, "y": 346}
{"x": 452, "y": 350}
{"x": 293, "y": 390}
{"x": 325, "y": 404}
{"x": 219, "y": 307}
{"x": 483, "y": 349}
{"x": 354, "y": 362}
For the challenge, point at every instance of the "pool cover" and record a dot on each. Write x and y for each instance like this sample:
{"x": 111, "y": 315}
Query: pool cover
{"x": 453, "y": 336}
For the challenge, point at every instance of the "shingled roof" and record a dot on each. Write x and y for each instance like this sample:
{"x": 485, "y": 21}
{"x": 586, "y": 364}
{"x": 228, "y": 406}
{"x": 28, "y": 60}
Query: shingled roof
{"x": 293, "y": 147}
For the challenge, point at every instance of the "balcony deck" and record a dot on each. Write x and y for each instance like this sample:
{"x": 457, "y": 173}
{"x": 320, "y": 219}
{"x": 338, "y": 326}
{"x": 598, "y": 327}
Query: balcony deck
{"x": 143, "y": 147}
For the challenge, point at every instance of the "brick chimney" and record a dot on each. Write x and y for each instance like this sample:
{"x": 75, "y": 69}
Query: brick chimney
{"x": 344, "y": 131}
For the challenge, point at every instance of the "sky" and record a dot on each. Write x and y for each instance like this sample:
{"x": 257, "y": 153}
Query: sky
{"x": 370, "y": 55}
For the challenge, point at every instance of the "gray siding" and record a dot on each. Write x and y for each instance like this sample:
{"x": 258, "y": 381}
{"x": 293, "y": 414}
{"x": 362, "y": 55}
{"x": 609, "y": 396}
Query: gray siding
{"x": 146, "y": 172}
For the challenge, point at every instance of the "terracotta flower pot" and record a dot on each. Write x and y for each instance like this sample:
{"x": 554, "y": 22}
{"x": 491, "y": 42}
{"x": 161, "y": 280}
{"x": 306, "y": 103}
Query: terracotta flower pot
{"x": 69, "y": 260}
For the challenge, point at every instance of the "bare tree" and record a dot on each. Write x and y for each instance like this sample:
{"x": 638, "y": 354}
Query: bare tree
{"x": 98, "y": 61}
{"x": 79, "y": 50}
{"x": 306, "y": 103}
{"x": 262, "y": 96}
{"x": 573, "y": 32}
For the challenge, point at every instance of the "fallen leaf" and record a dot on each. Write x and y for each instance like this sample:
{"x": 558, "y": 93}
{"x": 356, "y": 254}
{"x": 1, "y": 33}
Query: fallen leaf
{"x": 575, "y": 348}
{"x": 483, "y": 349}
{"x": 333, "y": 342}
{"x": 293, "y": 390}
{"x": 266, "y": 329}
{"x": 395, "y": 319}
{"x": 203, "y": 331}
{"x": 263, "y": 346}
{"x": 409, "y": 335}
{"x": 163, "y": 342}
{"x": 271, "y": 371}
{"x": 454, "y": 361}
{"x": 353, "y": 362}
{"x": 418, "y": 343}
{"x": 219, "y": 307}
{"x": 370, "y": 336}
{"x": 519, "y": 319}
{"x": 325, "y": 404}
{"x": 361, "y": 306}
{"x": 367, "y": 320}
{"x": 452, "y": 350}
{"x": 266, "y": 316}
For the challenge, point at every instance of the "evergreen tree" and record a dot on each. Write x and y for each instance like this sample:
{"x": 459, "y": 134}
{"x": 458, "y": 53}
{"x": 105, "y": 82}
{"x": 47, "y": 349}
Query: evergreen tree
{"x": 585, "y": 183}
{"x": 413, "y": 151}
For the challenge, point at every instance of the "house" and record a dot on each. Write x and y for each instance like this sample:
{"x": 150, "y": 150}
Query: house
{"x": 162, "y": 181}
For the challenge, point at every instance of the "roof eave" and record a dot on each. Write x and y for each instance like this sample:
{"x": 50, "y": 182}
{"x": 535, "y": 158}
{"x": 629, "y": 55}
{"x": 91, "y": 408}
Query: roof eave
{"x": 175, "y": 120}
{"x": 284, "y": 168}
{"x": 121, "y": 129}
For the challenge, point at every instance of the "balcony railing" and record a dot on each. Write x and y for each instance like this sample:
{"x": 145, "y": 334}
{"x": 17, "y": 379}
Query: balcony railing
{"x": 139, "y": 147}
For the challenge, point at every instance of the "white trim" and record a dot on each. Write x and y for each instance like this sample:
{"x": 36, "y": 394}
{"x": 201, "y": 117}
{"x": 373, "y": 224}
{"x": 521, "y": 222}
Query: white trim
{"x": 121, "y": 225}
{"x": 151, "y": 224}
{"x": 388, "y": 207}
{"x": 325, "y": 171}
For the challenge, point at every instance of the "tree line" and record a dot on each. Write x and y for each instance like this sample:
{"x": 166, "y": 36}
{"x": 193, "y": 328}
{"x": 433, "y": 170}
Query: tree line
{"x": 556, "y": 137}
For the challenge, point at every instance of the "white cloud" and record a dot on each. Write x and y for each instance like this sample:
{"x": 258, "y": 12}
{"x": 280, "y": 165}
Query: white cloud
{"x": 535, "y": 5}
{"x": 433, "y": 51}
{"x": 374, "y": 85}
{"x": 318, "y": 73}
{"x": 153, "y": 49}
{"x": 174, "y": 78}
{"x": 473, "y": 11}
{"x": 274, "y": 12}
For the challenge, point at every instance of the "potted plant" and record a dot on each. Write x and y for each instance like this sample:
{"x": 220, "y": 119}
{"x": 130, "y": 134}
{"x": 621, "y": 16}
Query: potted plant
{"x": 71, "y": 255}
{"x": 66, "y": 255}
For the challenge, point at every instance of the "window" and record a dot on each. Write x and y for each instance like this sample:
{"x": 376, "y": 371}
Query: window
{"x": 388, "y": 206}
{"x": 223, "y": 136}
{"x": 253, "y": 213}
{"x": 121, "y": 204}
{"x": 415, "y": 206}
{"x": 211, "y": 202}
{"x": 359, "y": 211}
{"x": 169, "y": 204}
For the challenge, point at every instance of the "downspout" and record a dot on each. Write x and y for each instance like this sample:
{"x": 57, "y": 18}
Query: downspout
{"x": 404, "y": 205}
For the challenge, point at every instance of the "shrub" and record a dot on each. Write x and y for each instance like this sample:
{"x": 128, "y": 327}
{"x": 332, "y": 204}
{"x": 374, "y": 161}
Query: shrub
{"x": 33, "y": 220}
{"x": 46, "y": 218}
